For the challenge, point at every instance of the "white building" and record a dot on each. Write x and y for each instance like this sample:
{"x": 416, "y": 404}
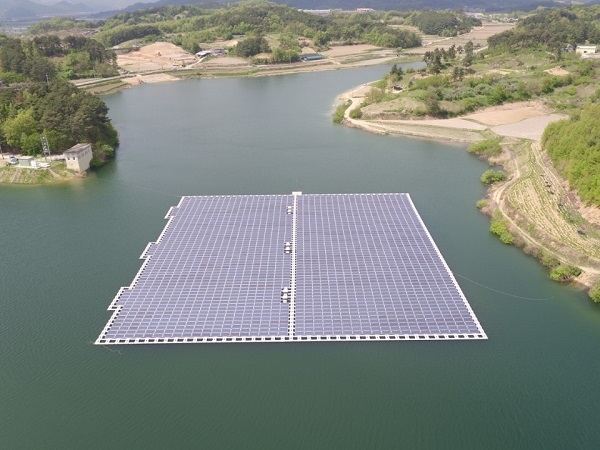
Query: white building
{"x": 78, "y": 157}
{"x": 585, "y": 49}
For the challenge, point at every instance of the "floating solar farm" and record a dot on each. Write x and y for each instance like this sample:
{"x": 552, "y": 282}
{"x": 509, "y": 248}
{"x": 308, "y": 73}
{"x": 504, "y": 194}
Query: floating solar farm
{"x": 291, "y": 268}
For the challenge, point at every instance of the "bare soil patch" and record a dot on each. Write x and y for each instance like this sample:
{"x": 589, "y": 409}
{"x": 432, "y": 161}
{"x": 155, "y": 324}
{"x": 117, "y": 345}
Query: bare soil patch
{"x": 345, "y": 50}
{"x": 509, "y": 113}
{"x": 478, "y": 36}
{"x": 531, "y": 128}
{"x": 557, "y": 71}
{"x": 150, "y": 78}
{"x": 219, "y": 44}
{"x": 157, "y": 56}
{"x": 225, "y": 61}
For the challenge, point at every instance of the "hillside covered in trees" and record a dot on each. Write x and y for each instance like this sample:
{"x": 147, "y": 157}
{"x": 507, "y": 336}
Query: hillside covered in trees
{"x": 520, "y": 64}
{"x": 533, "y": 61}
{"x": 189, "y": 25}
{"x": 251, "y": 21}
{"x": 35, "y": 99}
{"x": 574, "y": 146}
{"x": 552, "y": 29}
{"x": 443, "y": 23}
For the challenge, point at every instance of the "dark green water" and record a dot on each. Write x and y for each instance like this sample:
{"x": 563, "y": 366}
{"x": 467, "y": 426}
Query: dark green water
{"x": 66, "y": 251}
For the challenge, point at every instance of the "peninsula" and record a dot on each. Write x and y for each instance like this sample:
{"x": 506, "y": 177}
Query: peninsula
{"x": 523, "y": 106}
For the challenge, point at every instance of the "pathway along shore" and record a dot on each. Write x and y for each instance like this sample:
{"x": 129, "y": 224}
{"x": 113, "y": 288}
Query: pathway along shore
{"x": 545, "y": 217}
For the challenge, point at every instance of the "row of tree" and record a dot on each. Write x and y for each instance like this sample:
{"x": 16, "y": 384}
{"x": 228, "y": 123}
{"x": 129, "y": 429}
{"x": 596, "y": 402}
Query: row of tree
{"x": 73, "y": 57}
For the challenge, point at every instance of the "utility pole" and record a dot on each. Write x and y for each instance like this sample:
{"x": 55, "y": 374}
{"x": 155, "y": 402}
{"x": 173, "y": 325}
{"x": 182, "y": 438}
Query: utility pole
{"x": 45, "y": 146}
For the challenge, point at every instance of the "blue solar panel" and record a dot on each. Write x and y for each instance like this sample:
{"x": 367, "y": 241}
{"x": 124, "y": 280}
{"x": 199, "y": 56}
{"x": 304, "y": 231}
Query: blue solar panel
{"x": 369, "y": 267}
{"x": 291, "y": 268}
{"x": 217, "y": 271}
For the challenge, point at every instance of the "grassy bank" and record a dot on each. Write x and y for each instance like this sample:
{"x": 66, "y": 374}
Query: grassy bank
{"x": 57, "y": 173}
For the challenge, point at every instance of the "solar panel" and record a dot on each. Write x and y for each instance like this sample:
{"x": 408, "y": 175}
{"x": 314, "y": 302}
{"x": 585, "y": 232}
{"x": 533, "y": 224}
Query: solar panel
{"x": 369, "y": 267}
{"x": 291, "y": 268}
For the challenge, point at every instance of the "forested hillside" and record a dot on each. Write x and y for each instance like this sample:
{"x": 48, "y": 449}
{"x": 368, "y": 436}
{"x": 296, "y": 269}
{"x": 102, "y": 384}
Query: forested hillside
{"x": 443, "y": 23}
{"x": 553, "y": 29}
{"x": 195, "y": 23}
{"x": 34, "y": 99}
{"x": 574, "y": 146}
{"x": 388, "y": 5}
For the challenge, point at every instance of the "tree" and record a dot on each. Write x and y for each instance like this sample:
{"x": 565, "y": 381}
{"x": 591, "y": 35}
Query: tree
{"x": 252, "y": 46}
{"x": 280, "y": 55}
{"x": 458, "y": 73}
{"x": 469, "y": 54}
{"x": 451, "y": 52}
{"x": 41, "y": 69}
{"x": 491, "y": 176}
{"x": 12, "y": 56}
{"x": 432, "y": 102}
{"x": 396, "y": 73}
{"x": 564, "y": 273}
{"x": 594, "y": 292}
{"x": 48, "y": 46}
{"x": 18, "y": 128}
{"x": 31, "y": 144}
{"x": 321, "y": 39}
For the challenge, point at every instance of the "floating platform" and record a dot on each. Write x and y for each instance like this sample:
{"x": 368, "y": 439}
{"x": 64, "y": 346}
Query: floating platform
{"x": 291, "y": 268}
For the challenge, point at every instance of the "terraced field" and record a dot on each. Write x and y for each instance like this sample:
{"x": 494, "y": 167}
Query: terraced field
{"x": 537, "y": 204}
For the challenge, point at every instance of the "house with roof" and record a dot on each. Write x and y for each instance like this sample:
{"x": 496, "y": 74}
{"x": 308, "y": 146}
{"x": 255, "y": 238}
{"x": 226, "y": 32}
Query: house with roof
{"x": 78, "y": 157}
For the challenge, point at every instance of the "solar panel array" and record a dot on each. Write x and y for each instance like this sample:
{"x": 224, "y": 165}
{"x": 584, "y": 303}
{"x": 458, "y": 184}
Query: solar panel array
{"x": 354, "y": 266}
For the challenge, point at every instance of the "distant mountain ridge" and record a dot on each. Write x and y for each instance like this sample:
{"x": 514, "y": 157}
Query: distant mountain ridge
{"x": 386, "y": 5}
{"x": 26, "y": 9}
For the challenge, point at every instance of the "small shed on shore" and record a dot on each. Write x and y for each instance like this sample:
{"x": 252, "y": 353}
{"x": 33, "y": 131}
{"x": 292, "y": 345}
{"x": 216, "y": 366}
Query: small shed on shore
{"x": 311, "y": 56}
{"x": 585, "y": 49}
{"x": 26, "y": 161}
{"x": 78, "y": 157}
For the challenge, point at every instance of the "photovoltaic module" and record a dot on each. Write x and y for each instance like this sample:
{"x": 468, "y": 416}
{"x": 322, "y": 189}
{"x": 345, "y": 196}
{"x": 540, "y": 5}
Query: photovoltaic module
{"x": 289, "y": 268}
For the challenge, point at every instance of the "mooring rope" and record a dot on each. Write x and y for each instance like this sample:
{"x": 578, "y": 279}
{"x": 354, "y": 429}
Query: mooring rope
{"x": 502, "y": 292}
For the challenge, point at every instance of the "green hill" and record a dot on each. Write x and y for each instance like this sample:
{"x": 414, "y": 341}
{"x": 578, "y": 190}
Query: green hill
{"x": 574, "y": 147}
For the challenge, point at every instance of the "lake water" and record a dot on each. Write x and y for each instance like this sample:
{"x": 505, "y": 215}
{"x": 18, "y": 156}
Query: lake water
{"x": 66, "y": 250}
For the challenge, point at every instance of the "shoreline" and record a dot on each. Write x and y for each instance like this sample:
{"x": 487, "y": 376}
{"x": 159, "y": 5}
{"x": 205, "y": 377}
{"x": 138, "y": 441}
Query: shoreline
{"x": 515, "y": 123}
{"x": 534, "y": 199}
{"x": 138, "y": 69}
{"x": 31, "y": 176}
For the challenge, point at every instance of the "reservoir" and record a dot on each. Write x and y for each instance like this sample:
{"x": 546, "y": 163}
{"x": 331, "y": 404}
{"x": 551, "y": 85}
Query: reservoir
{"x": 66, "y": 251}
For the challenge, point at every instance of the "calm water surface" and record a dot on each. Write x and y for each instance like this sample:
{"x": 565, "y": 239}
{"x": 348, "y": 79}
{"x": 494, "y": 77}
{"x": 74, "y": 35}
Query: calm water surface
{"x": 66, "y": 250}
